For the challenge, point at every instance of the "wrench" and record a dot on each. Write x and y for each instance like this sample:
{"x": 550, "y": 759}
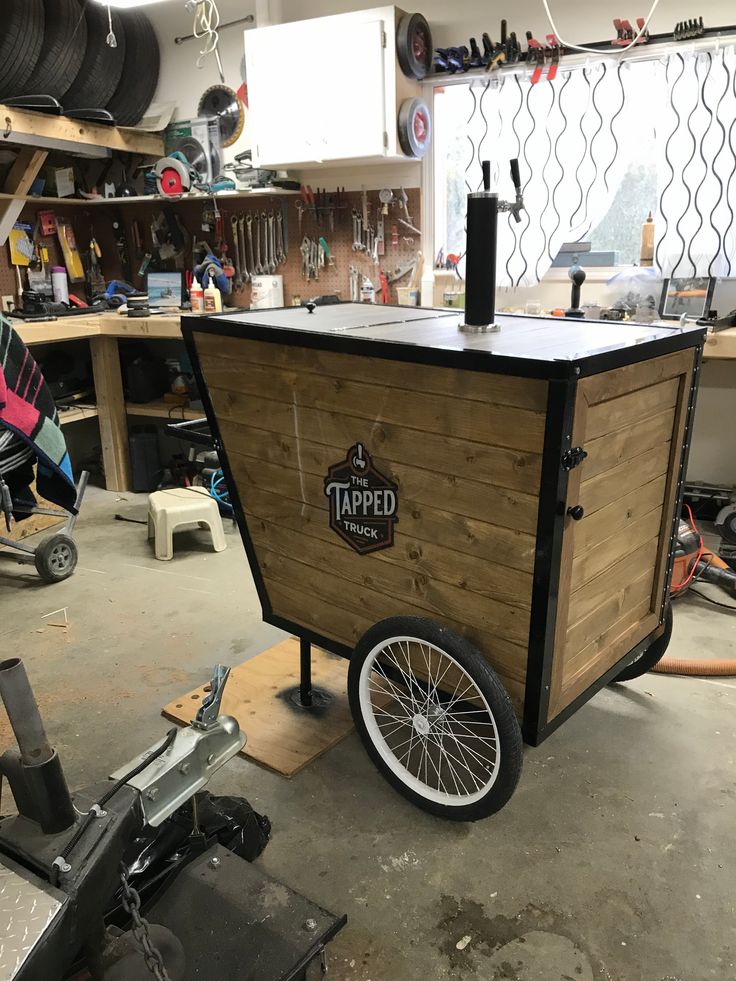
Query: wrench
{"x": 280, "y": 253}
{"x": 265, "y": 264}
{"x": 258, "y": 268}
{"x": 238, "y": 281}
{"x": 251, "y": 253}
{"x": 357, "y": 232}
{"x": 271, "y": 243}
{"x": 241, "y": 241}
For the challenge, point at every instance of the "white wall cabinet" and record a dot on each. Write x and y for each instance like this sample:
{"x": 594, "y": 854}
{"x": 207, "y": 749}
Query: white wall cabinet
{"x": 326, "y": 90}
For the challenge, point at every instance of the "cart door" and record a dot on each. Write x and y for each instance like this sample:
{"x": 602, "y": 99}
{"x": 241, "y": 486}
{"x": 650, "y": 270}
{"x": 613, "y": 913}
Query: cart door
{"x": 620, "y": 513}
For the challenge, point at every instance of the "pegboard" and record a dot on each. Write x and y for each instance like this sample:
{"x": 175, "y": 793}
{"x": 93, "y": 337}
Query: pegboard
{"x": 336, "y": 279}
{"x": 98, "y": 220}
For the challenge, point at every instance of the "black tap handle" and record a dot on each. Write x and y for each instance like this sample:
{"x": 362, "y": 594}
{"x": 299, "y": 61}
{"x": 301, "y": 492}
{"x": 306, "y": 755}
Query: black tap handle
{"x": 486, "y": 165}
{"x": 515, "y": 174}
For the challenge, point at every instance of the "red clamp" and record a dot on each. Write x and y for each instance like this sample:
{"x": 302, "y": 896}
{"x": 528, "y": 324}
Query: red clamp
{"x": 535, "y": 55}
{"x": 555, "y": 51}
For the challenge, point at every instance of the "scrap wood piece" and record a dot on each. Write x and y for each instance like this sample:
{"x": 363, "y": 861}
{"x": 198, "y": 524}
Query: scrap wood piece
{"x": 281, "y": 736}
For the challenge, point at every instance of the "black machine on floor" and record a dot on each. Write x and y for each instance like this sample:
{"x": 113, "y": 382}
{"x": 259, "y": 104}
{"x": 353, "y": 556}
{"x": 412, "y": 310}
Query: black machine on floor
{"x": 144, "y": 875}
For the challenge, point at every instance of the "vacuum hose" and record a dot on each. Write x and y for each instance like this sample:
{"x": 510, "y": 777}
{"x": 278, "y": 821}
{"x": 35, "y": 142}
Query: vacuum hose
{"x": 710, "y": 668}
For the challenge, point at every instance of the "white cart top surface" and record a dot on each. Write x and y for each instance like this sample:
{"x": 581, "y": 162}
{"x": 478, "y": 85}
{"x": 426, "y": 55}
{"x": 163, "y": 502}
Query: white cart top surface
{"x": 532, "y": 338}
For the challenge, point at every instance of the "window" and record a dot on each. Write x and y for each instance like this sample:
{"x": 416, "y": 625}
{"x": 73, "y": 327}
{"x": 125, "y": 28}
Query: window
{"x": 588, "y": 160}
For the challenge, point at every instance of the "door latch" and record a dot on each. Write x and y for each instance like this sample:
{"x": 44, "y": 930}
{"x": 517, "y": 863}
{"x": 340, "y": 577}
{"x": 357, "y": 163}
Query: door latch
{"x": 573, "y": 457}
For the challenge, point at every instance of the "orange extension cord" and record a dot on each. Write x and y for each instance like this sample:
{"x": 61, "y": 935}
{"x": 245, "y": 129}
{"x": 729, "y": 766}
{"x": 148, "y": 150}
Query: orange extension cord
{"x": 676, "y": 665}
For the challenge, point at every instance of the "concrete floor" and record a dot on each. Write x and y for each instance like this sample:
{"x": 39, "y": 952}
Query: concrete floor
{"x": 614, "y": 859}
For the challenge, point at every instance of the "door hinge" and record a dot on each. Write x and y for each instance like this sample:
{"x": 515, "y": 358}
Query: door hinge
{"x": 573, "y": 457}
{"x": 384, "y": 40}
{"x": 385, "y": 140}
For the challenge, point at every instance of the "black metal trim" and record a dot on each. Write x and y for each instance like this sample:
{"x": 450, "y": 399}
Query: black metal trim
{"x": 593, "y": 689}
{"x": 548, "y": 559}
{"x": 468, "y": 359}
{"x": 232, "y": 486}
{"x": 609, "y": 360}
{"x": 684, "y": 458}
{"x": 305, "y": 634}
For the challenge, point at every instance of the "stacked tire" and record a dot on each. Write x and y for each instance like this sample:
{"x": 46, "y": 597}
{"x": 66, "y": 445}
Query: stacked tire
{"x": 59, "y": 48}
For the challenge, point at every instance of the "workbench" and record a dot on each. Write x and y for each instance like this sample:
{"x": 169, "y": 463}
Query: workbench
{"x": 103, "y": 333}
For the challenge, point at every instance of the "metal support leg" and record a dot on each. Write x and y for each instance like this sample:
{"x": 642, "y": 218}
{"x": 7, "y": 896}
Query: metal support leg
{"x": 305, "y": 696}
{"x": 81, "y": 488}
{"x": 305, "y": 685}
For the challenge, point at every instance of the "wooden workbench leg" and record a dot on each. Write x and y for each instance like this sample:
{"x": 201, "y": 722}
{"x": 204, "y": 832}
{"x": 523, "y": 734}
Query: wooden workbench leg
{"x": 111, "y": 410}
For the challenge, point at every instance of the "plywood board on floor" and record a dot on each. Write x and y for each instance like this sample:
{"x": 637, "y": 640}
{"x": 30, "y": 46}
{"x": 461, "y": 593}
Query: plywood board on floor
{"x": 281, "y": 736}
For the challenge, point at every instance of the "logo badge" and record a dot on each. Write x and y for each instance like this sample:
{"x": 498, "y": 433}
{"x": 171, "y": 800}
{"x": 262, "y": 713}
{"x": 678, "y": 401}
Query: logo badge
{"x": 363, "y": 502}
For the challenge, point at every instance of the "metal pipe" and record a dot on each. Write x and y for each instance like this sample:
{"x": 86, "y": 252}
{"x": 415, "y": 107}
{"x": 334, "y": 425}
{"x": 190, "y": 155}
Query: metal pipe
{"x": 249, "y": 19}
{"x": 20, "y": 704}
{"x": 305, "y": 684}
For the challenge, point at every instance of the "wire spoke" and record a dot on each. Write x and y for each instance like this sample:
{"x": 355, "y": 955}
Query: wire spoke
{"x": 409, "y": 681}
{"x": 484, "y": 761}
{"x": 431, "y": 721}
{"x": 393, "y": 686}
{"x": 463, "y": 763}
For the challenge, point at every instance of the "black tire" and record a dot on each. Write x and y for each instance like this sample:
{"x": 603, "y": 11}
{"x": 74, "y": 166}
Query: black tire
{"x": 102, "y": 66}
{"x": 63, "y": 49}
{"x": 414, "y": 46}
{"x": 415, "y": 127}
{"x": 21, "y": 38}
{"x": 652, "y": 655}
{"x": 141, "y": 67}
{"x": 485, "y": 680}
{"x": 56, "y": 557}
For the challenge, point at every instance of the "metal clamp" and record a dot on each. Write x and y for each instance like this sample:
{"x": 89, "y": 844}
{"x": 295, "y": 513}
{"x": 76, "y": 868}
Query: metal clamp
{"x": 187, "y": 765}
{"x": 209, "y": 710}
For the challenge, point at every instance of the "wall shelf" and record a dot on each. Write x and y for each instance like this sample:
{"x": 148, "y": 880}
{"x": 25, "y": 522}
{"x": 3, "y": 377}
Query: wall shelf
{"x": 149, "y": 198}
{"x": 163, "y": 410}
{"x": 47, "y": 132}
{"x": 76, "y": 414}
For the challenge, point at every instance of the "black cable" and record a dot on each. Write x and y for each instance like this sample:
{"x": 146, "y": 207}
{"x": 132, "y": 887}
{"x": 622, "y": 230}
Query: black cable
{"x": 725, "y": 606}
{"x": 92, "y": 816}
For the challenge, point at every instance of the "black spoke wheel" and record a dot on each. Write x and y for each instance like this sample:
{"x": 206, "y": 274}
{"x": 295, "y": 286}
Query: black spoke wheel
{"x": 56, "y": 557}
{"x": 651, "y": 655}
{"x": 435, "y": 718}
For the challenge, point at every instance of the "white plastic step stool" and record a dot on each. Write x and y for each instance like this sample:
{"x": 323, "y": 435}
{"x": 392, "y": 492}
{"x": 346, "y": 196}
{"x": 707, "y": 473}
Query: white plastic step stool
{"x": 169, "y": 510}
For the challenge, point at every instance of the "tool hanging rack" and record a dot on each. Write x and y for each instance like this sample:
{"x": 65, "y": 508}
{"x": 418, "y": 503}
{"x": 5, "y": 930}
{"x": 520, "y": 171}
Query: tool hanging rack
{"x": 508, "y": 57}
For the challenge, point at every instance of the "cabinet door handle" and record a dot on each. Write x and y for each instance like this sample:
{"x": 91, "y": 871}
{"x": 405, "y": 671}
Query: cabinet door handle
{"x": 576, "y": 512}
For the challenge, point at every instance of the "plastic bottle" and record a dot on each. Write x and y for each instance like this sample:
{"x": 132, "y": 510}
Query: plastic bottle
{"x": 60, "y": 284}
{"x": 647, "y": 242}
{"x": 196, "y": 296}
{"x": 367, "y": 291}
{"x": 212, "y": 300}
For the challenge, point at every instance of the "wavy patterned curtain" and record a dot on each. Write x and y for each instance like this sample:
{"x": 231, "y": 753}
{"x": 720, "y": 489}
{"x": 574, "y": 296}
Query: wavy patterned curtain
{"x": 696, "y": 137}
{"x": 570, "y": 138}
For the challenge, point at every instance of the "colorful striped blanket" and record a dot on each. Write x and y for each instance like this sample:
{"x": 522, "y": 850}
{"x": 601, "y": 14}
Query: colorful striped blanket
{"x": 27, "y": 409}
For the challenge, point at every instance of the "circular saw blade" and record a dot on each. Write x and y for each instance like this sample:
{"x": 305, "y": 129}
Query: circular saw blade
{"x": 195, "y": 155}
{"x": 223, "y": 103}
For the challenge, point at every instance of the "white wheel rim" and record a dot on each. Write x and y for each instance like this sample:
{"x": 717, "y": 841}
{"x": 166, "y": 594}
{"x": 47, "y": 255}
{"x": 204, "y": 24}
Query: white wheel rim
{"x": 441, "y": 742}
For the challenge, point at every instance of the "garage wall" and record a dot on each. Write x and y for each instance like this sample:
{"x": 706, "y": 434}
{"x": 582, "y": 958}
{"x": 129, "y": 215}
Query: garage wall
{"x": 579, "y": 23}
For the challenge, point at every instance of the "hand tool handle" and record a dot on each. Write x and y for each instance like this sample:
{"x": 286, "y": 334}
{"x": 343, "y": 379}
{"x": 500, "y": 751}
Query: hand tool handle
{"x": 516, "y": 174}
{"x": 486, "y": 165}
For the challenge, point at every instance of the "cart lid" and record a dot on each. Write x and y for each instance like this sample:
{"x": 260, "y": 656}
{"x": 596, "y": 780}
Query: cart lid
{"x": 542, "y": 340}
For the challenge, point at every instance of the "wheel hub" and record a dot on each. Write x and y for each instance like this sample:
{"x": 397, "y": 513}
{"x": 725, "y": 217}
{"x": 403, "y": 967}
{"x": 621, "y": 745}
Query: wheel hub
{"x": 421, "y": 724}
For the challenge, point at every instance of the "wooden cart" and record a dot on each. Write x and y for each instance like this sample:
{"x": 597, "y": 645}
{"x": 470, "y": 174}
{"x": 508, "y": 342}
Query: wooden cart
{"x": 479, "y": 522}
